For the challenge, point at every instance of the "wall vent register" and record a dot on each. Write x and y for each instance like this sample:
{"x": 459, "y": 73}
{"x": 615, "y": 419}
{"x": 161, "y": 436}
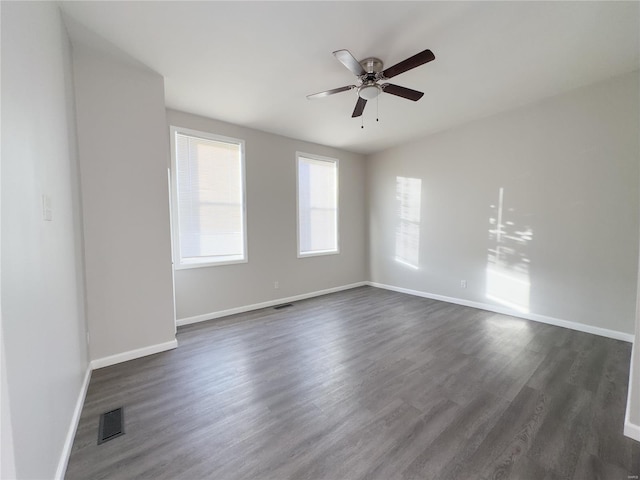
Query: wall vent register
{"x": 111, "y": 425}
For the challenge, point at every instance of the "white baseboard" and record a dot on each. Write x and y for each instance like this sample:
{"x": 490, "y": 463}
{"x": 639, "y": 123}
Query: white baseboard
{"x": 73, "y": 426}
{"x": 133, "y": 354}
{"x": 631, "y": 430}
{"x": 256, "y": 306}
{"x": 581, "y": 327}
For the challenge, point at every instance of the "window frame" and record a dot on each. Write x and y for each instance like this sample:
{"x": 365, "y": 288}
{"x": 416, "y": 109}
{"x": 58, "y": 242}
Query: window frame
{"x": 336, "y": 162}
{"x": 175, "y": 211}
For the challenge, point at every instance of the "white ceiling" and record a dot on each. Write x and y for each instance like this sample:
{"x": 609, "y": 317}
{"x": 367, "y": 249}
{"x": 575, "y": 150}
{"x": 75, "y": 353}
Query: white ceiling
{"x": 253, "y": 63}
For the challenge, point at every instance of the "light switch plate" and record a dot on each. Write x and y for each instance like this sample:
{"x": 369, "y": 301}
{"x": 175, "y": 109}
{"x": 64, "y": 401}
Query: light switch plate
{"x": 47, "y": 215}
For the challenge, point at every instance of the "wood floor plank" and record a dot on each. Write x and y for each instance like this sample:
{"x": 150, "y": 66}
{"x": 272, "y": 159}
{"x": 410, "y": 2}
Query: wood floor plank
{"x": 591, "y": 467}
{"x": 365, "y": 384}
{"x": 604, "y": 441}
{"x": 509, "y": 440}
{"x": 479, "y": 413}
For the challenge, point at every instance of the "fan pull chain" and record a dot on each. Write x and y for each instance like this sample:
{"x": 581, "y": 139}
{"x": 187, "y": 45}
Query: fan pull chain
{"x": 361, "y": 121}
{"x": 377, "y": 103}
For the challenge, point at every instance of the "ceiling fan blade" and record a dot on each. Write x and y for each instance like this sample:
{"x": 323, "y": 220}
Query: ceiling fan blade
{"x": 411, "y": 62}
{"x": 330, "y": 92}
{"x": 359, "y": 107}
{"x": 349, "y": 61}
{"x": 402, "y": 91}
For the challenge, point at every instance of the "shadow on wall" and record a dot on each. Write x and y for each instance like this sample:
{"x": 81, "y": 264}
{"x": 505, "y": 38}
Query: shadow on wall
{"x": 408, "y": 197}
{"x": 508, "y": 260}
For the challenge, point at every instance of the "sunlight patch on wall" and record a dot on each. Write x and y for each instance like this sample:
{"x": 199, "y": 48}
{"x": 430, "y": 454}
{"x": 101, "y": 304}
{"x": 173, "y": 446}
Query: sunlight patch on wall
{"x": 408, "y": 196}
{"x": 507, "y": 259}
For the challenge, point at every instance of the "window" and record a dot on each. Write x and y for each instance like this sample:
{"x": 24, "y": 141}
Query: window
{"x": 317, "y": 205}
{"x": 208, "y": 199}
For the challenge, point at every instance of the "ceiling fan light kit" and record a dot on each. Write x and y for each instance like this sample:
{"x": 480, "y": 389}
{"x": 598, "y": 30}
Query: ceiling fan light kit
{"x": 369, "y": 92}
{"x": 370, "y": 72}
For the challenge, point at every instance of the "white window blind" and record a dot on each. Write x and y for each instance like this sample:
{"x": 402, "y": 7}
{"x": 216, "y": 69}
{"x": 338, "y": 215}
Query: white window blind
{"x": 209, "y": 180}
{"x": 317, "y": 205}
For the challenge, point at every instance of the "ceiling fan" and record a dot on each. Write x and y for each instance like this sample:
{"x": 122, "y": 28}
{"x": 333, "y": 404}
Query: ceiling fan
{"x": 370, "y": 72}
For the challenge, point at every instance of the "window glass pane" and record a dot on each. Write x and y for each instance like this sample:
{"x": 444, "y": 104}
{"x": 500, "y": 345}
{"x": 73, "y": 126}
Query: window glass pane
{"x": 317, "y": 206}
{"x": 209, "y": 199}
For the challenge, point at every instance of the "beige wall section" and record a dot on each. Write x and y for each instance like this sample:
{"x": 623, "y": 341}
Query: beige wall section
{"x": 567, "y": 168}
{"x": 43, "y": 318}
{"x": 124, "y": 156}
{"x": 271, "y": 228}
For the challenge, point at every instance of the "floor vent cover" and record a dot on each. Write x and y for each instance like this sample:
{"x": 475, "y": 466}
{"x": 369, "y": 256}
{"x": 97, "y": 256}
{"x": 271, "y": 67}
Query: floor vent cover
{"x": 284, "y": 305}
{"x": 111, "y": 425}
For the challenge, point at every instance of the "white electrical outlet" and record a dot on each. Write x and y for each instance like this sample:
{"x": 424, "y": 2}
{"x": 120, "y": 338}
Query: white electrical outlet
{"x": 463, "y": 283}
{"x": 276, "y": 284}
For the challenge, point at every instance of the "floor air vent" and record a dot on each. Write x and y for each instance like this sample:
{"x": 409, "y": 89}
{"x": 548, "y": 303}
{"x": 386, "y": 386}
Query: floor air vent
{"x": 111, "y": 425}
{"x": 284, "y": 305}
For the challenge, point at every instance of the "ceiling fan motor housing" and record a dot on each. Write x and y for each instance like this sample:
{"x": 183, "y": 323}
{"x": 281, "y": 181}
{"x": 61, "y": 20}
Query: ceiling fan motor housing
{"x": 372, "y": 65}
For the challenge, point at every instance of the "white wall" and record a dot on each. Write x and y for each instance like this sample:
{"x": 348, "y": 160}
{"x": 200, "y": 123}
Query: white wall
{"x": 271, "y": 226}
{"x": 634, "y": 398}
{"x": 632, "y": 416}
{"x": 42, "y": 286}
{"x": 568, "y": 170}
{"x": 7, "y": 455}
{"x": 124, "y": 157}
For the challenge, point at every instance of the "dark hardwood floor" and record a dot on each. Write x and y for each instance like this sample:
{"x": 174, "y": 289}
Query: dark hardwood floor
{"x": 366, "y": 384}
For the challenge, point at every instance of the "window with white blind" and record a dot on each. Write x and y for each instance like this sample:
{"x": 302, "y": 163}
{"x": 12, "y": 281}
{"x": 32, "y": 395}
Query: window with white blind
{"x": 208, "y": 199}
{"x": 317, "y": 205}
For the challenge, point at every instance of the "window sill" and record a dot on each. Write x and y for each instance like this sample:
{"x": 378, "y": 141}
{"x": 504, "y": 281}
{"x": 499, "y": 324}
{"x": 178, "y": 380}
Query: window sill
{"x": 209, "y": 263}
{"x": 318, "y": 254}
